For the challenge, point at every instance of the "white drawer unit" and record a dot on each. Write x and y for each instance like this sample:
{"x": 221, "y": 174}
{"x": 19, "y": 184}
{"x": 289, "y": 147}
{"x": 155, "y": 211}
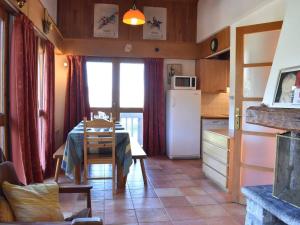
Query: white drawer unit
{"x": 216, "y": 152}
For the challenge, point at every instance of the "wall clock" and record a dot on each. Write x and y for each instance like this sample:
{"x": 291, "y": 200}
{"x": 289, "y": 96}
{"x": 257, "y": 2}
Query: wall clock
{"x": 214, "y": 45}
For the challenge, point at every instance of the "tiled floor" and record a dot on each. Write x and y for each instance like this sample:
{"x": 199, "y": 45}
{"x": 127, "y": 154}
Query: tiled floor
{"x": 177, "y": 194}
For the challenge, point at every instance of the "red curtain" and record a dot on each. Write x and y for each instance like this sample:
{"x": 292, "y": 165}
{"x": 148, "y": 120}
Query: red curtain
{"x": 154, "y": 108}
{"x": 47, "y": 114}
{"x": 23, "y": 101}
{"x": 77, "y": 100}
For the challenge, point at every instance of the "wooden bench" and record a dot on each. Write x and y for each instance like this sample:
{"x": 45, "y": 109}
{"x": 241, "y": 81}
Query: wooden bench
{"x": 138, "y": 153}
{"x": 58, "y": 156}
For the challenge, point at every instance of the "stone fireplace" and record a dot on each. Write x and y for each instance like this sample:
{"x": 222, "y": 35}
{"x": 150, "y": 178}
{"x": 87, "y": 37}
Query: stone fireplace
{"x": 287, "y": 170}
{"x": 278, "y": 204}
{"x": 287, "y": 174}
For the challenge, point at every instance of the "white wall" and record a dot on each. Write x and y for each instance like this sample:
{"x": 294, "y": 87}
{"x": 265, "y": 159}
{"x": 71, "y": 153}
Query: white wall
{"x": 288, "y": 49}
{"x": 273, "y": 11}
{"x": 51, "y": 6}
{"x": 214, "y": 15}
{"x": 188, "y": 68}
{"x": 61, "y": 73}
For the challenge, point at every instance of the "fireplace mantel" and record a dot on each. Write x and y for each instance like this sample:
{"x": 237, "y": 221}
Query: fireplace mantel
{"x": 284, "y": 119}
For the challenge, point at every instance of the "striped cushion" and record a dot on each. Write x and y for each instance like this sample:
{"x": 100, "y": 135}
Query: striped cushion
{"x": 6, "y": 214}
{"x": 34, "y": 203}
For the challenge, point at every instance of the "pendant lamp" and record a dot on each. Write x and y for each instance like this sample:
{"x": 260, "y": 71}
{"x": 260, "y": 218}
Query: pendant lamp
{"x": 134, "y": 16}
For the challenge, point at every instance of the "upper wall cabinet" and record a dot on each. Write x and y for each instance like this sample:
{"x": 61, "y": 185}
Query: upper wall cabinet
{"x": 215, "y": 44}
{"x": 213, "y": 75}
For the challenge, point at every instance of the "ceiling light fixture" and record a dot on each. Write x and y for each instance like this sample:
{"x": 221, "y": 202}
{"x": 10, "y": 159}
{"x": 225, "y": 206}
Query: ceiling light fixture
{"x": 134, "y": 16}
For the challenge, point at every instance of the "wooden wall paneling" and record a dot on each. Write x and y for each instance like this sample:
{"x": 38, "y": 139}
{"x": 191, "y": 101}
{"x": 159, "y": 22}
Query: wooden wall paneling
{"x": 223, "y": 37}
{"x": 141, "y": 49}
{"x": 75, "y": 19}
{"x": 34, "y": 10}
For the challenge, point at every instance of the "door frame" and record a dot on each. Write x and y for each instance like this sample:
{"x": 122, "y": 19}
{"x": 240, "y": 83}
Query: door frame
{"x": 240, "y": 65}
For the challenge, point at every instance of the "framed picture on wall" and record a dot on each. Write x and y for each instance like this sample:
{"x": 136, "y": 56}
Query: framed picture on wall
{"x": 287, "y": 94}
{"x": 155, "y": 27}
{"x": 173, "y": 69}
{"x": 106, "y": 20}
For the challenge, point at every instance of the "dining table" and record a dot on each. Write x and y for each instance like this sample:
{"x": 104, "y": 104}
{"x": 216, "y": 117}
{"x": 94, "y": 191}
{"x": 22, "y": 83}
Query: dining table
{"x": 73, "y": 154}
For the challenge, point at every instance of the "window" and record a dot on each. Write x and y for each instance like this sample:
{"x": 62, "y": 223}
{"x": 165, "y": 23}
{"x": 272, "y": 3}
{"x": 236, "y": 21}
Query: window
{"x": 132, "y": 85}
{"x": 118, "y": 87}
{"x": 3, "y": 55}
{"x": 41, "y": 99}
{"x": 2, "y": 49}
{"x": 99, "y": 75}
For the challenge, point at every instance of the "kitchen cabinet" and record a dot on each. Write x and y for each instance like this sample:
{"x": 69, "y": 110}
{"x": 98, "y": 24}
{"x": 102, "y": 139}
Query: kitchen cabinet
{"x": 223, "y": 39}
{"x": 216, "y": 147}
{"x": 213, "y": 75}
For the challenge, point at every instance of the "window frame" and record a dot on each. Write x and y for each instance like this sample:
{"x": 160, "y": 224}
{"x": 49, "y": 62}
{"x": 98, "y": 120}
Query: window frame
{"x": 3, "y": 116}
{"x": 116, "y": 110}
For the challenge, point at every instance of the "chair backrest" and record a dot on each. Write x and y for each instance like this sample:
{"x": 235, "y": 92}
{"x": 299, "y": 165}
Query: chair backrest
{"x": 8, "y": 173}
{"x": 99, "y": 134}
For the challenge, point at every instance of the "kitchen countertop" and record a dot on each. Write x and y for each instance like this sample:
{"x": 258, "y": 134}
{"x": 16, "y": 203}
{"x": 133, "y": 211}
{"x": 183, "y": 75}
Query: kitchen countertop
{"x": 220, "y": 116}
{"x": 225, "y": 132}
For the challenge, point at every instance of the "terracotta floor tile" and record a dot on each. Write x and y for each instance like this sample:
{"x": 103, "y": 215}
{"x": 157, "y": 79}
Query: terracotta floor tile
{"x": 120, "y": 217}
{"x": 211, "y": 211}
{"x": 118, "y": 204}
{"x": 182, "y": 213}
{"x": 110, "y": 195}
{"x": 157, "y": 223}
{"x": 201, "y": 200}
{"x": 151, "y": 215}
{"x": 183, "y": 183}
{"x": 147, "y": 203}
{"x": 225, "y": 220}
{"x": 190, "y": 222}
{"x": 171, "y": 202}
{"x": 221, "y": 197}
{"x": 100, "y": 214}
{"x": 191, "y": 191}
{"x": 177, "y": 193}
{"x": 143, "y": 193}
{"x": 98, "y": 205}
{"x": 235, "y": 209}
{"x": 168, "y": 192}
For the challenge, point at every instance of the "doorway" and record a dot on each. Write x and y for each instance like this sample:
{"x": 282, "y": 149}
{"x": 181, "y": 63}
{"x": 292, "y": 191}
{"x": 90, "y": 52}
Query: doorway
{"x": 254, "y": 146}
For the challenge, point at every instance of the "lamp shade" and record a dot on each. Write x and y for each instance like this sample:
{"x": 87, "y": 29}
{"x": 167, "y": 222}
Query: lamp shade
{"x": 134, "y": 17}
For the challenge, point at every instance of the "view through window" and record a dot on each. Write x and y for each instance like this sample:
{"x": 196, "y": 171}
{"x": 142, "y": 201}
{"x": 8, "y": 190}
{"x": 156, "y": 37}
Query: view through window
{"x": 99, "y": 76}
{"x": 118, "y": 87}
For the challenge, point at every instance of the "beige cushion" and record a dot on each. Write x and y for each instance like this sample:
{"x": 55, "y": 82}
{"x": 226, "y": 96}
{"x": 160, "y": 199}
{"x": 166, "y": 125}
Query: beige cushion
{"x": 34, "y": 203}
{"x": 6, "y": 214}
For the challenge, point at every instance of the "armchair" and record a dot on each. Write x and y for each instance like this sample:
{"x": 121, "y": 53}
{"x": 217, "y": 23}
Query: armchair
{"x": 8, "y": 173}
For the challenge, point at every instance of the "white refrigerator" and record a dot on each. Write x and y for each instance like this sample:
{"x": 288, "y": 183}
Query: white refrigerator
{"x": 183, "y": 116}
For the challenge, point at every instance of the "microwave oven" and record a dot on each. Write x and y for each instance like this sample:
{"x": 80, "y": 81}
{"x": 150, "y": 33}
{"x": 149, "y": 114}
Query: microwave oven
{"x": 183, "y": 82}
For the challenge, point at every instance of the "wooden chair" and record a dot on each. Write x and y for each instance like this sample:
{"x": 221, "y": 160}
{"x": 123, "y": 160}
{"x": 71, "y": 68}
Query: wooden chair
{"x": 99, "y": 146}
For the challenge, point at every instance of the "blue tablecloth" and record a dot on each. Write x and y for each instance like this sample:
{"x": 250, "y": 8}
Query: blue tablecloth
{"x": 73, "y": 154}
